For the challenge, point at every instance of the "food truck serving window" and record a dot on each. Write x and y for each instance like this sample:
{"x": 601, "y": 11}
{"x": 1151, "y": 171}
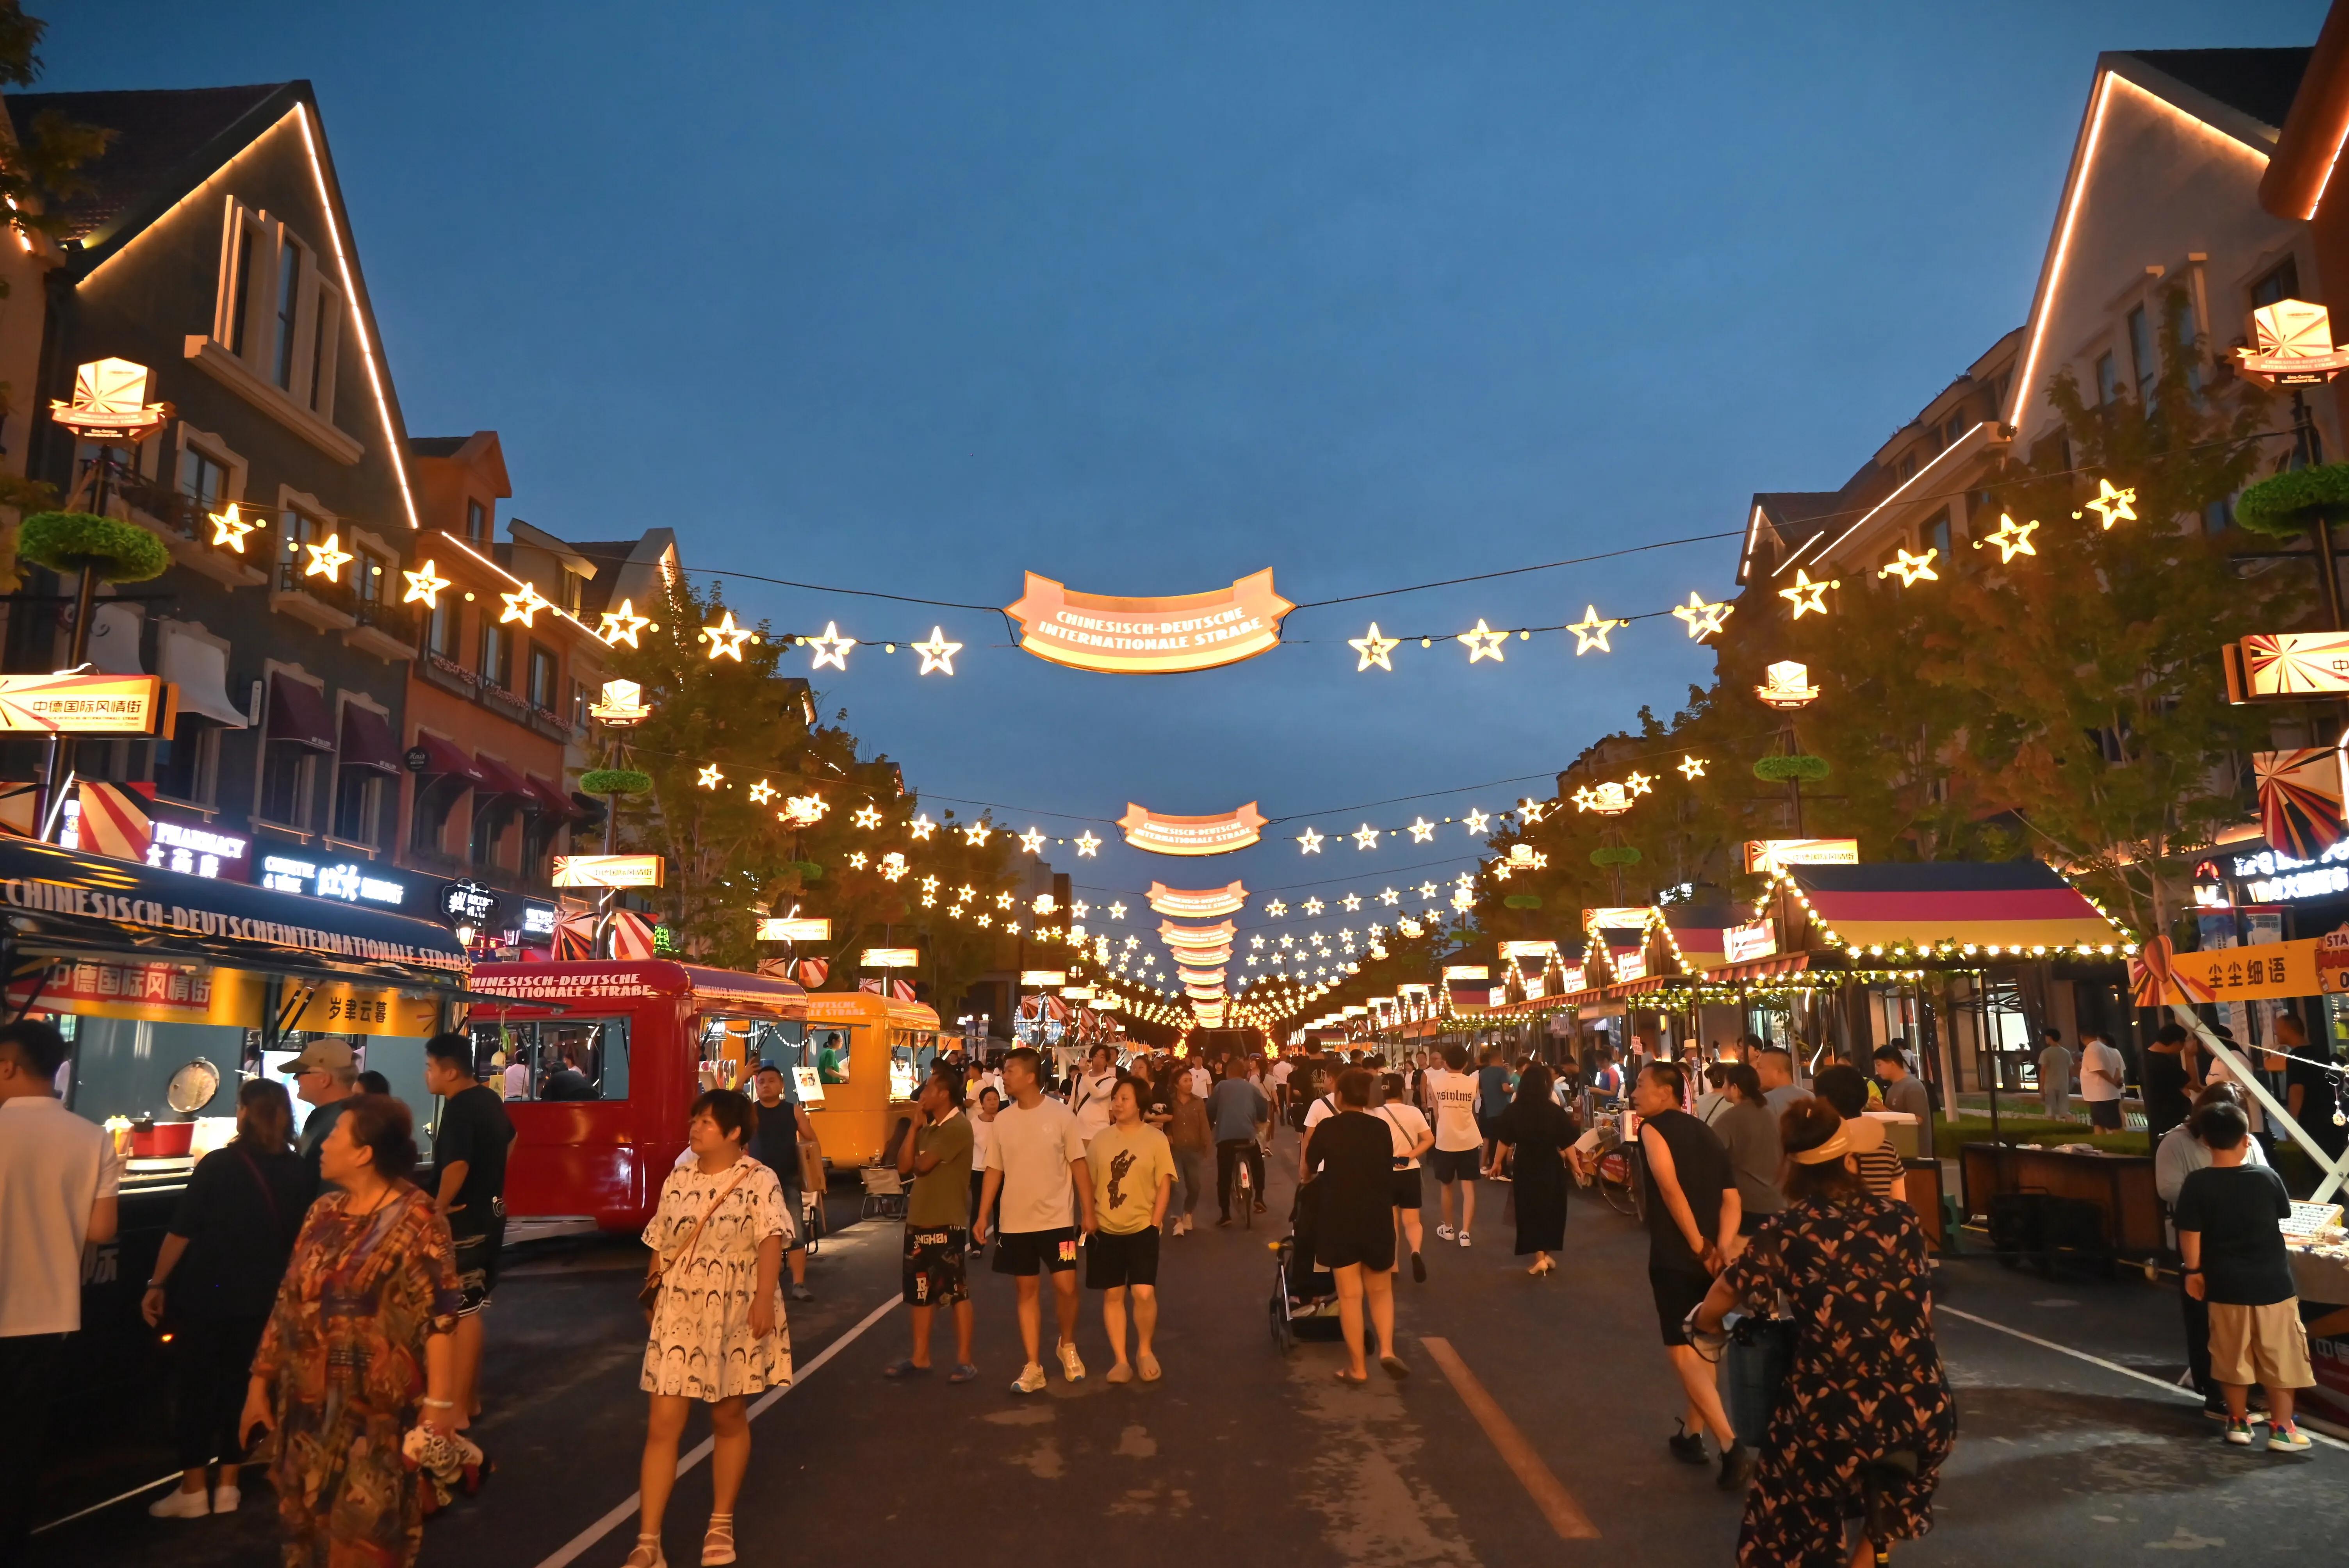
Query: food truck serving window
{"x": 729, "y": 1048}
{"x": 554, "y": 1059}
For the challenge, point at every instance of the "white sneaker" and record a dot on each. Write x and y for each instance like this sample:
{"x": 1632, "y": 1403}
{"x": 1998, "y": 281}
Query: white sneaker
{"x": 1031, "y": 1380}
{"x": 1463, "y": 1238}
{"x": 226, "y": 1498}
{"x": 1446, "y": 1232}
{"x": 1072, "y": 1368}
{"x": 177, "y": 1504}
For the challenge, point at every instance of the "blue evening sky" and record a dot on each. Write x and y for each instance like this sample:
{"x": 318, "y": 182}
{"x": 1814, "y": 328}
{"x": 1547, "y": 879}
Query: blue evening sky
{"x": 1149, "y": 297}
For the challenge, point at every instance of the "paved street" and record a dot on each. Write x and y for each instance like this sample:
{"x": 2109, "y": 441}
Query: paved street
{"x": 1244, "y": 1456}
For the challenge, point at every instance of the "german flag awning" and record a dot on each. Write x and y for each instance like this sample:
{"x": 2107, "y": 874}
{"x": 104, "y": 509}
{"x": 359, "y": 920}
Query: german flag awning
{"x": 2012, "y": 906}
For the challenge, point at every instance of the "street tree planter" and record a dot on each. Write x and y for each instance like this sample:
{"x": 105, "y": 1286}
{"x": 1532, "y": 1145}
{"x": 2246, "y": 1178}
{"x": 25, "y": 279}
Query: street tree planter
{"x": 614, "y": 782}
{"x": 80, "y": 542}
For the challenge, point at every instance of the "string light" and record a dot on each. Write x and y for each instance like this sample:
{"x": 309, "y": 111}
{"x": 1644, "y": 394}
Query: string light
{"x": 524, "y": 605}
{"x": 1702, "y": 619}
{"x": 937, "y": 654}
{"x": 2012, "y": 538}
{"x": 921, "y": 827}
{"x": 424, "y": 584}
{"x": 327, "y": 559}
{"x": 1809, "y": 598}
{"x": 1087, "y": 845}
{"x": 2111, "y": 505}
{"x": 1592, "y": 630}
{"x": 1484, "y": 643}
{"x": 726, "y": 638}
{"x": 1366, "y": 837}
{"x": 1691, "y": 768}
{"x": 1032, "y": 840}
{"x": 1373, "y": 648}
{"x": 1911, "y": 568}
{"x": 621, "y": 625}
{"x": 229, "y": 529}
{"x": 1312, "y": 841}
{"x": 709, "y": 777}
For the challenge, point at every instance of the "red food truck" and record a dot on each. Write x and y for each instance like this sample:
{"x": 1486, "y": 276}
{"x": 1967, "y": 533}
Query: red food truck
{"x": 599, "y": 1063}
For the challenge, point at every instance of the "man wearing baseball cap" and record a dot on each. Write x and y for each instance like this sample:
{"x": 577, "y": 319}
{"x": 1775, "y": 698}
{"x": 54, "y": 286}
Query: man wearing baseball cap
{"x": 324, "y": 1077}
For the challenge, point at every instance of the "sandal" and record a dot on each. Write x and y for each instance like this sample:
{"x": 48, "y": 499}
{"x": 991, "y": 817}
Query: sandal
{"x": 647, "y": 1553}
{"x": 1147, "y": 1365}
{"x": 1352, "y": 1379}
{"x": 717, "y": 1540}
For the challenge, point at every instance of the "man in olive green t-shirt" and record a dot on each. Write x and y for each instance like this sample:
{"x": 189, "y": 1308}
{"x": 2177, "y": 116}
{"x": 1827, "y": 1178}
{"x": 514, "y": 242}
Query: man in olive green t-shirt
{"x": 935, "y": 1154}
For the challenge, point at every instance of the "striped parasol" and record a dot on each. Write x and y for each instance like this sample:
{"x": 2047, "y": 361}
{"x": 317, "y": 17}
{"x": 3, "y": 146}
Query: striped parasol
{"x": 2300, "y": 799}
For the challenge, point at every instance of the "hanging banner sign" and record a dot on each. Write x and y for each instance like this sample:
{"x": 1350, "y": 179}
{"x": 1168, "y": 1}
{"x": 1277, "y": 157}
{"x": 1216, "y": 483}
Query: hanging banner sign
{"x": 1775, "y": 854}
{"x": 1619, "y": 917}
{"x": 1043, "y": 977}
{"x": 609, "y": 870}
{"x": 1215, "y": 935}
{"x": 1570, "y": 978}
{"x": 892, "y": 958}
{"x": 796, "y": 928}
{"x": 2283, "y": 667}
{"x": 1632, "y": 964}
{"x": 2263, "y": 972}
{"x": 1149, "y": 636}
{"x": 1164, "y": 835}
{"x": 1204, "y": 905}
{"x": 1527, "y": 949}
{"x": 70, "y": 703}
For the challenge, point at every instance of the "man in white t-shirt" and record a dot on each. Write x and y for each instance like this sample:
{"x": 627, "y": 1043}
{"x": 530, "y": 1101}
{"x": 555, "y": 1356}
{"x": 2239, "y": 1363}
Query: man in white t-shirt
{"x": 1201, "y": 1082}
{"x": 1281, "y": 1070}
{"x": 514, "y": 1083}
{"x": 59, "y": 1182}
{"x": 2100, "y": 1080}
{"x": 1096, "y": 1085}
{"x": 1452, "y": 1096}
{"x": 1036, "y": 1174}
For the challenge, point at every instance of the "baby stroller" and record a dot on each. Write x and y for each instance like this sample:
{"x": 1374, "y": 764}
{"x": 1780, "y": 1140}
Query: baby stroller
{"x": 1304, "y": 1297}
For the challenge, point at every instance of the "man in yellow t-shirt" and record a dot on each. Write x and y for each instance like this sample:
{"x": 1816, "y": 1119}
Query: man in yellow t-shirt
{"x": 1133, "y": 1169}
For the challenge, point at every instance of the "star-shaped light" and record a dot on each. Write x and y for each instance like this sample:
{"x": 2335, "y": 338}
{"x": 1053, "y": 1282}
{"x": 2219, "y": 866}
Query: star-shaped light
{"x": 1366, "y": 837}
{"x": 1592, "y": 630}
{"x": 1639, "y": 783}
{"x": 1691, "y": 767}
{"x": 2012, "y": 538}
{"x": 1286, "y": 940}
{"x": 424, "y": 585}
{"x": 857, "y": 860}
{"x": 1003, "y": 901}
{"x": 1807, "y": 597}
{"x": 327, "y": 559}
{"x": 1530, "y": 811}
{"x": 1422, "y": 830}
{"x": 867, "y": 816}
{"x": 985, "y": 920}
{"x": 1353, "y": 901}
{"x": 1032, "y": 840}
{"x": 1315, "y": 906}
{"x": 1702, "y": 619}
{"x": 937, "y": 654}
{"x": 1080, "y": 909}
{"x": 832, "y": 648}
{"x": 921, "y": 827}
{"x": 929, "y": 884}
{"x": 1475, "y": 822}
{"x": 1256, "y": 941}
{"x": 525, "y": 605}
{"x": 965, "y": 894}
{"x": 893, "y": 865}
{"x": 976, "y": 833}
{"x": 1913, "y": 569}
{"x": 761, "y": 792}
{"x": 1484, "y": 643}
{"x": 1311, "y": 841}
{"x": 709, "y": 777}
{"x": 2112, "y": 505}
{"x": 229, "y": 530}
{"x": 1373, "y": 648}
{"x": 1427, "y": 890}
{"x": 1117, "y": 911}
{"x": 1087, "y": 843}
{"x": 1389, "y": 895}
{"x": 621, "y": 625}
{"x": 726, "y": 638}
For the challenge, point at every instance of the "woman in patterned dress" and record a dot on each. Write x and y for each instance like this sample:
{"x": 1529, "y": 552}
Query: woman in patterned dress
{"x": 718, "y": 1334}
{"x": 357, "y": 1350}
{"x": 1865, "y": 1401}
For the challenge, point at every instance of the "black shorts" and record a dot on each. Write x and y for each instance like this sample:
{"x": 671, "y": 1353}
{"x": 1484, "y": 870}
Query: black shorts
{"x": 1373, "y": 1249}
{"x": 1024, "y": 1252}
{"x": 1677, "y": 1291}
{"x": 934, "y": 1266}
{"x": 476, "y": 1259}
{"x": 1113, "y": 1260}
{"x": 1454, "y": 1164}
{"x": 1406, "y": 1188}
{"x": 2106, "y": 1114}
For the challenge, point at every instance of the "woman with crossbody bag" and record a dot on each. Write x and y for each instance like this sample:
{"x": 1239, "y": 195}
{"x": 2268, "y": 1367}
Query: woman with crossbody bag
{"x": 716, "y": 1306}
{"x": 216, "y": 1279}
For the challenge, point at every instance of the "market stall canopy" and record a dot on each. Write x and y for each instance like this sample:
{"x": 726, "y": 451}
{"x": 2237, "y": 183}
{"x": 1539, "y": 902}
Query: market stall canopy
{"x": 56, "y": 902}
{"x": 2006, "y": 906}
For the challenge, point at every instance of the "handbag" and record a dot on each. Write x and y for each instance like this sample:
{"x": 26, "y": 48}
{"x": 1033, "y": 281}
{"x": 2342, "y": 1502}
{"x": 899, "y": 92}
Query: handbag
{"x": 1753, "y": 1364}
{"x": 648, "y": 1294}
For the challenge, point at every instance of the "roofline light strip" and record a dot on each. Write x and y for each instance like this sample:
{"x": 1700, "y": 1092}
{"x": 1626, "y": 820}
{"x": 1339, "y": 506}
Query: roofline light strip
{"x": 1939, "y": 458}
{"x": 203, "y": 190}
{"x": 391, "y": 442}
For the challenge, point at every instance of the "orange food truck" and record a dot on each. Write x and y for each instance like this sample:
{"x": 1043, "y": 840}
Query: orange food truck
{"x": 600, "y": 1062}
{"x": 862, "y": 1056}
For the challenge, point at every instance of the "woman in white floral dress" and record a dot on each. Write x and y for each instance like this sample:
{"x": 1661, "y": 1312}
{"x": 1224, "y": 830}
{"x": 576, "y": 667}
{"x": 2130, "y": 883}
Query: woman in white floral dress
{"x": 718, "y": 1332}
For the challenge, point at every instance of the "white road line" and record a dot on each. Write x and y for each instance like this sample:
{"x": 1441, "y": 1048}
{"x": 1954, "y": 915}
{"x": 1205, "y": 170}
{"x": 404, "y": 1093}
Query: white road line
{"x": 109, "y": 1502}
{"x": 570, "y": 1551}
{"x": 2172, "y": 1389}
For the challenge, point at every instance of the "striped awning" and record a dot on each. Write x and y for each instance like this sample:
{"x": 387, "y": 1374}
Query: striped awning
{"x": 1758, "y": 969}
{"x": 2009, "y": 904}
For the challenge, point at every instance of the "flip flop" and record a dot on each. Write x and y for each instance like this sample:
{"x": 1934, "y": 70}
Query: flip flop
{"x": 1395, "y": 1366}
{"x": 1148, "y": 1366}
{"x": 905, "y": 1369}
{"x": 1352, "y": 1380}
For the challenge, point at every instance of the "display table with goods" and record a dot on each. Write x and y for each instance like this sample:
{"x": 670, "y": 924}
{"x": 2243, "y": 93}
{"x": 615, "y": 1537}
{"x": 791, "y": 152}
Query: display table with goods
{"x": 2317, "y": 1249}
{"x": 2048, "y": 1203}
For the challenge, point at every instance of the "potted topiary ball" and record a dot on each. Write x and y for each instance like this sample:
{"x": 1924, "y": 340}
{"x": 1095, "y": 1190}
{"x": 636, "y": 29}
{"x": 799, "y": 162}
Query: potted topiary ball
{"x": 97, "y": 549}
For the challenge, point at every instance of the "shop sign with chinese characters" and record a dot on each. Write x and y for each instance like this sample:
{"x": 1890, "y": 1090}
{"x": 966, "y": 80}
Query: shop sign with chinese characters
{"x": 335, "y": 1009}
{"x": 68, "y": 704}
{"x": 609, "y": 870}
{"x": 98, "y": 988}
{"x": 2274, "y": 877}
{"x": 2263, "y": 973}
{"x": 1775, "y": 854}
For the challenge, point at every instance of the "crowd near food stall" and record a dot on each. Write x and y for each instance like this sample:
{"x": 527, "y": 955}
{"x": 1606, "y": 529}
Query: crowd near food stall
{"x": 173, "y": 987}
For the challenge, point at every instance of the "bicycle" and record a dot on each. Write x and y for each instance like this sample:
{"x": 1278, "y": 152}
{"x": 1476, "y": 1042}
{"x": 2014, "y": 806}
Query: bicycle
{"x": 1616, "y": 1172}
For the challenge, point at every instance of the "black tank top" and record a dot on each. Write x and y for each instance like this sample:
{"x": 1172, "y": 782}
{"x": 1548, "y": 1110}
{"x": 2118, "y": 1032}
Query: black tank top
{"x": 1700, "y": 1166}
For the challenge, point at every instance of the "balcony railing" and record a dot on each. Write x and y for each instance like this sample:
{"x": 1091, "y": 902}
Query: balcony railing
{"x": 395, "y": 621}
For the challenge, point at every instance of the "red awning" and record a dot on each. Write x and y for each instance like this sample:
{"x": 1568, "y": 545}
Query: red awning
{"x": 1759, "y": 968}
{"x": 298, "y": 712}
{"x": 367, "y": 741}
{"x": 446, "y": 758}
{"x": 551, "y": 798}
{"x": 497, "y": 779}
